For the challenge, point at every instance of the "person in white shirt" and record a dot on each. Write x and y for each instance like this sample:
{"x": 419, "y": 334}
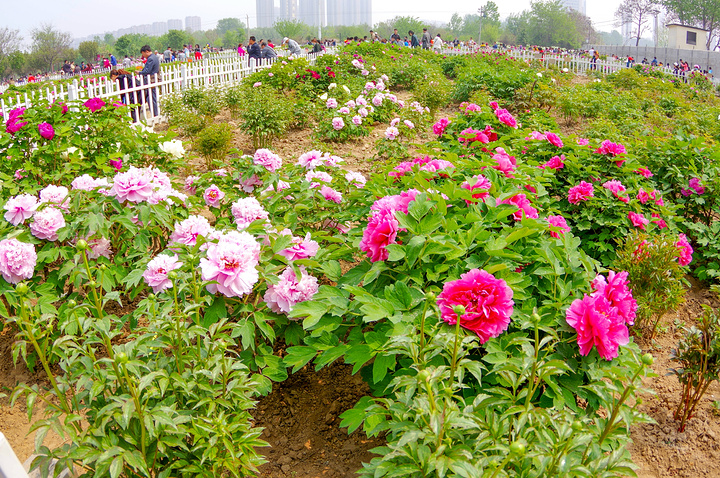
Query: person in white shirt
{"x": 127, "y": 62}
{"x": 437, "y": 44}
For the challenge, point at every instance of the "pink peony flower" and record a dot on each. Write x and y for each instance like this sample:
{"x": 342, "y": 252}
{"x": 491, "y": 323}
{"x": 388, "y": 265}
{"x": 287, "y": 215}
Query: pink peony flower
{"x": 213, "y": 195}
{"x": 17, "y": 260}
{"x": 696, "y": 186}
{"x": 524, "y": 205}
{"x": 378, "y": 99}
{"x": 85, "y": 183}
{"x": 559, "y": 222}
{"x": 581, "y": 192}
{"x": 301, "y": 248}
{"x": 46, "y": 131}
{"x": 644, "y": 172}
{"x": 615, "y": 289}
{"x": 643, "y": 196}
{"x": 231, "y": 262}
{"x": 436, "y": 165}
{"x": 338, "y": 123}
{"x": 156, "y": 273}
{"x": 616, "y": 187}
{"x": 582, "y": 141}
{"x": 536, "y": 136}
{"x": 356, "y": 179}
{"x": 344, "y": 110}
{"x": 397, "y": 202}
{"x": 409, "y": 124}
{"x": 505, "y": 117}
{"x": 685, "y": 250}
{"x": 19, "y": 174}
{"x": 613, "y": 149}
{"x": 597, "y": 324}
{"x": 494, "y": 105}
{"x": 46, "y": 223}
{"x": 246, "y": 210}
{"x": 658, "y": 221}
{"x": 55, "y": 195}
{"x": 310, "y": 160}
{"x": 391, "y": 133}
{"x": 357, "y": 120}
{"x": 268, "y": 159}
{"x": 380, "y": 232}
{"x": 135, "y": 185}
{"x": 554, "y": 139}
{"x": 471, "y": 107}
{"x": 330, "y": 194}
{"x": 282, "y": 297}
{"x": 487, "y": 300}
{"x": 638, "y": 220}
{"x": 94, "y": 104}
{"x": 470, "y": 135}
{"x": 187, "y": 231}
{"x": 311, "y": 176}
{"x": 19, "y": 208}
{"x": 556, "y": 162}
{"x": 440, "y": 126}
{"x": 477, "y": 182}
{"x": 331, "y": 103}
{"x": 98, "y": 247}
{"x": 505, "y": 162}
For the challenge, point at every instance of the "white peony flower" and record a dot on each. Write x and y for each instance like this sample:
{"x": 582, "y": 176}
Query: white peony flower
{"x": 173, "y": 148}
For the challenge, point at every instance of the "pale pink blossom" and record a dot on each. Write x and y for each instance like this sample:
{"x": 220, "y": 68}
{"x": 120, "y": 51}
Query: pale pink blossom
{"x": 330, "y": 194}
{"x": 156, "y": 273}
{"x": 266, "y": 158}
{"x": 17, "y": 260}
{"x": 20, "y": 208}
{"x": 310, "y": 160}
{"x": 231, "y": 264}
{"x": 213, "y": 196}
{"x": 189, "y": 184}
{"x": 135, "y": 185}
{"x": 356, "y": 179}
{"x": 282, "y": 297}
{"x": 57, "y": 195}
{"x": 46, "y": 223}
{"x": 99, "y": 247}
{"x": 187, "y": 231}
{"x": 338, "y": 123}
{"x": 246, "y": 210}
{"x": 392, "y": 132}
{"x": 302, "y": 248}
{"x": 331, "y": 103}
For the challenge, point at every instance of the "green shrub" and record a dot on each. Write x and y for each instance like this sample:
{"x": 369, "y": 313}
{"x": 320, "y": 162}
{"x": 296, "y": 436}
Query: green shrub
{"x": 214, "y": 142}
{"x": 266, "y": 114}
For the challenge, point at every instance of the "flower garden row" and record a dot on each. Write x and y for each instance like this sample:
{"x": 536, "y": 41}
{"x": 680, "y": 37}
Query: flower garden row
{"x": 486, "y": 302}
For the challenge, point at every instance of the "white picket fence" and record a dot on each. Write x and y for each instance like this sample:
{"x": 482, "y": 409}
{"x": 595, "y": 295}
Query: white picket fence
{"x": 219, "y": 70}
{"x": 573, "y": 62}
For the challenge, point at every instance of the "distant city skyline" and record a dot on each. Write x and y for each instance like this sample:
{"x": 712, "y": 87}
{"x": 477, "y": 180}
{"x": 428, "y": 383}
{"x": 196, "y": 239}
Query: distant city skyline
{"x": 83, "y": 19}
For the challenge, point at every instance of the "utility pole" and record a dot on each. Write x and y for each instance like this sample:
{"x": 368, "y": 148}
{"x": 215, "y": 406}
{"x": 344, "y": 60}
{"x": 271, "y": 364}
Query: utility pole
{"x": 481, "y": 12}
{"x": 247, "y": 18}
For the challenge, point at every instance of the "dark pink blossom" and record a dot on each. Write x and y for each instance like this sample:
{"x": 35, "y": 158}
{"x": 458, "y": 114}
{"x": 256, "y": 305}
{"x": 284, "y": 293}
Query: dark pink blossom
{"x": 558, "y": 222}
{"x": 524, "y": 206}
{"x": 581, "y": 192}
{"x": 94, "y": 104}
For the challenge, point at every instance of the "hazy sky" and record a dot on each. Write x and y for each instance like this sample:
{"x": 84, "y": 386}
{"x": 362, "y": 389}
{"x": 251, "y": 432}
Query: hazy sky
{"x": 87, "y": 17}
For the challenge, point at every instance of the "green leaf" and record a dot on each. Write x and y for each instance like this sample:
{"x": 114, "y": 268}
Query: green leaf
{"x": 298, "y": 356}
{"x": 332, "y": 270}
{"x": 215, "y": 312}
{"x": 311, "y": 311}
{"x": 116, "y": 467}
{"x": 358, "y": 355}
{"x": 381, "y": 365}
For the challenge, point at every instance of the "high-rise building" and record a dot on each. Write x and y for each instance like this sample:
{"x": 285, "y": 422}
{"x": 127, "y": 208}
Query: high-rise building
{"x": 174, "y": 24}
{"x": 192, "y": 24}
{"x": 159, "y": 28}
{"x": 312, "y": 12}
{"x": 577, "y": 5}
{"x": 349, "y": 12}
{"x": 265, "y": 11}
{"x": 288, "y": 9}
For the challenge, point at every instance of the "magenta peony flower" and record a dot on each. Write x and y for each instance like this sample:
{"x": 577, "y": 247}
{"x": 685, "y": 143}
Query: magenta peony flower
{"x": 696, "y": 186}
{"x": 477, "y": 182}
{"x": 614, "y": 149}
{"x": 330, "y": 194}
{"x": 536, "y": 135}
{"x": 17, "y": 260}
{"x": 338, "y": 123}
{"x": 246, "y": 210}
{"x": 46, "y": 223}
{"x": 505, "y": 117}
{"x": 470, "y": 135}
{"x": 658, "y": 221}
{"x": 643, "y": 196}
{"x": 559, "y": 222}
{"x": 282, "y": 297}
{"x": 524, "y": 207}
{"x": 116, "y": 163}
{"x": 135, "y": 185}
{"x": 685, "y": 250}
{"x": 556, "y": 162}
{"x": 644, "y": 172}
{"x": 311, "y": 159}
{"x": 638, "y": 220}
{"x": 380, "y": 232}
{"x": 471, "y": 107}
{"x": 616, "y": 187}
{"x": 440, "y": 126}
{"x": 156, "y": 273}
{"x": 46, "y": 131}
{"x": 554, "y": 139}
{"x": 488, "y": 303}
{"x": 266, "y": 158}
{"x": 436, "y": 165}
{"x": 597, "y": 324}
{"x": 494, "y": 105}
{"x": 19, "y": 208}
{"x": 213, "y": 195}
{"x": 397, "y": 202}
{"x": 187, "y": 231}
{"x": 231, "y": 262}
{"x": 615, "y": 289}
{"x": 505, "y": 162}
{"x": 581, "y": 192}
{"x": 582, "y": 141}
{"x": 94, "y": 104}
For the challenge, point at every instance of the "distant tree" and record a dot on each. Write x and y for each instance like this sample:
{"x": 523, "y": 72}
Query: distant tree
{"x": 550, "y": 24}
{"x": 639, "y": 13}
{"x": 455, "y": 25}
{"x": 9, "y": 45}
{"x": 49, "y": 45}
{"x": 492, "y": 15}
{"x": 290, "y": 28}
{"x": 126, "y": 45}
{"x": 109, "y": 40}
{"x": 231, "y": 38}
{"x": 403, "y": 24}
{"x": 174, "y": 39}
{"x": 584, "y": 26}
{"x": 229, "y": 24}
{"x": 517, "y": 25}
{"x": 89, "y": 50}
